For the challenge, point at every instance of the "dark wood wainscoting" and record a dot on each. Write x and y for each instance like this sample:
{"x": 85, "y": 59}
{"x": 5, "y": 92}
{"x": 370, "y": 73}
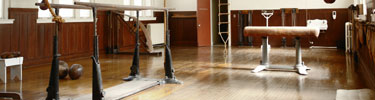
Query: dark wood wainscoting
{"x": 183, "y": 27}
{"x": 332, "y": 37}
{"x": 34, "y": 40}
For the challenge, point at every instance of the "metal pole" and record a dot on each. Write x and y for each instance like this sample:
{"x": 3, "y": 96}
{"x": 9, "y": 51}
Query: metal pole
{"x": 134, "y": 69}
{"x": 97, "y": 89}
{"x": 298, "y": 52}
{"x": 265, "y": 50}
{"x": 283, "y": 17}
{"x": 283, "y": 41}
{"x": 250, "y": 23}
{"x": 294, "y": 17}
{"x": 53, "y": 87}
{"x": 240, "y": 27}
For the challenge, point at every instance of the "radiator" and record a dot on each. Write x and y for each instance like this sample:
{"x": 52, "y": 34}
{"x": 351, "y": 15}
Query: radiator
{"x": 348, "y": 36}
{"x": 157, "y": 33}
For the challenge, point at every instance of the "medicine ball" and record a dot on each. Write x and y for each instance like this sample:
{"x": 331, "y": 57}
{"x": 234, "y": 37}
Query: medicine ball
{"x": 63, "y": 69}
{"x": 75, "y": 71}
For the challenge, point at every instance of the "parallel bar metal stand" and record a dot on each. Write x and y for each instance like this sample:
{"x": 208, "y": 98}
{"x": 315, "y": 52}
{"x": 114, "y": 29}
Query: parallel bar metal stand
{"x": 97, "y": 89}
{"x": 168, "y": 67}
{"x": 302, "y": 69}
{"x": 135, "y": 66}
{"x": 53, "y": 86}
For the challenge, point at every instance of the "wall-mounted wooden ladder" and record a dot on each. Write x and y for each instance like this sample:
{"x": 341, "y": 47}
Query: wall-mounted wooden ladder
{"x": 223, "y": 22}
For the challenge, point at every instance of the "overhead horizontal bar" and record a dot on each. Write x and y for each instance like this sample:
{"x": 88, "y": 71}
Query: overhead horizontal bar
{"x": 120, "y": 7}
{"x": 64, "y": 6}
{"x": 70, "y": 6}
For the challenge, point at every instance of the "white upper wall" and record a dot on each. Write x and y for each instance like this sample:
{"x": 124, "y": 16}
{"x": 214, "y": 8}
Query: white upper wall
{"x": 121, "y": 2}
{"x": 23, "y": 3}
{"x": 191, "y": 5}
{"x": 31, "y": 3}
{"x": 182, "y": 5}
{"x": 277, "y": 4}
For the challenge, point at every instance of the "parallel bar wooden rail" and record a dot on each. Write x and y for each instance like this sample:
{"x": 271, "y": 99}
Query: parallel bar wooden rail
{"x": 121, "y": 7}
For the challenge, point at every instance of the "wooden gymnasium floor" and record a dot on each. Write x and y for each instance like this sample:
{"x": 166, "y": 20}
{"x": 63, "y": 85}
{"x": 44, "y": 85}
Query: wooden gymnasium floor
{"x": 209, "y": 74}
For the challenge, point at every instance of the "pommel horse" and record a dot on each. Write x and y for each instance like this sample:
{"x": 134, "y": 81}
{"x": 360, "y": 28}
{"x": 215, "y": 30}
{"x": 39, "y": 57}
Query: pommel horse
{"x": 265, "y": 31}
{"x": 297, "y": 32}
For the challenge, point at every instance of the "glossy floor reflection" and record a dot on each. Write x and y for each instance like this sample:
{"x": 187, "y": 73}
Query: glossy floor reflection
{"x": 211, "y": 74}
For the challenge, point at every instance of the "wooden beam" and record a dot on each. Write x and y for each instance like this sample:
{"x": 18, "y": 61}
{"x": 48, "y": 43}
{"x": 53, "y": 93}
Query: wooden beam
{"x": 71, "y": 6}
{"x": 64, "y": 6}
{"x": 121, "y": 7}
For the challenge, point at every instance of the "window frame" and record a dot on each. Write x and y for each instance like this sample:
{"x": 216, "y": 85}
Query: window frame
{"x": 4, "y": 16}
{"x": 143, "y": 14}
{"x": 1, "y": 8}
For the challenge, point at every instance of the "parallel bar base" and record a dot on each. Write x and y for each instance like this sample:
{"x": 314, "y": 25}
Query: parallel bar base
{"x": 301, "y": 69}
{"x": 171, "y": 81}
{"x": 265, "y": 63}
{"x": 141, "y": 53}
{"x": 125, "y": 89}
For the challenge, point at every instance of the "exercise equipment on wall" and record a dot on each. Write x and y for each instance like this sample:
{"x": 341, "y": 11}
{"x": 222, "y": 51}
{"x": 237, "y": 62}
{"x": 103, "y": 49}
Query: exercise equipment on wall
{"x": 250, "y": 23}
{"x": 224, "y": 22}
{"x": 293, "y": 12}
{"x": 329, "y": 1}
{"x": 243, "y": 16}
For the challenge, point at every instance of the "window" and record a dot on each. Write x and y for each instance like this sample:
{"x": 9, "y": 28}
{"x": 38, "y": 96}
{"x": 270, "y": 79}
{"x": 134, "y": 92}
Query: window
{"x": 142, "y": 14}
{"x": 1, "y": 8}
{"x": 70, "y": 15}
{"x": 66, "y": 12}
{"x": 127, "y": 2}
{"x": 84, "y": 13}
{"x": 148, "y": 12}
{"x": 44, "y": 13}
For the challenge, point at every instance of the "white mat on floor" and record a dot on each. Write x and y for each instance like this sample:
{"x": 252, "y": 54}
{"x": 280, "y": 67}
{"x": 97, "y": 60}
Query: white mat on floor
{"x": 359, "y": 94}
{"x": 123, "y": 90}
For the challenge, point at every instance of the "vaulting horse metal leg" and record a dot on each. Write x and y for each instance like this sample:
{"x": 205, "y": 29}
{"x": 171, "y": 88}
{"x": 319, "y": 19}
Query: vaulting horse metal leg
{"x": 300, "y": 66}
{"x": 265, "y": 63}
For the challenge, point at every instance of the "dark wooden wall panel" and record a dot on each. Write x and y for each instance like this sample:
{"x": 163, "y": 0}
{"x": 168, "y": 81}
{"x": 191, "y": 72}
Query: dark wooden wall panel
{"x": 24, "y": 37}
{"x": 333, "y": 36}
{"x": 5, "y": 37}
{"x": 34, "y": 40}
{"x": 183, "y": 29}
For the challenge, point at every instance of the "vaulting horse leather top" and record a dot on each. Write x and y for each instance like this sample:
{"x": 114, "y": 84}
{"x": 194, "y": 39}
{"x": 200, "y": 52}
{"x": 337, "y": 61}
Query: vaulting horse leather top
{"x": 281, "y": 31}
